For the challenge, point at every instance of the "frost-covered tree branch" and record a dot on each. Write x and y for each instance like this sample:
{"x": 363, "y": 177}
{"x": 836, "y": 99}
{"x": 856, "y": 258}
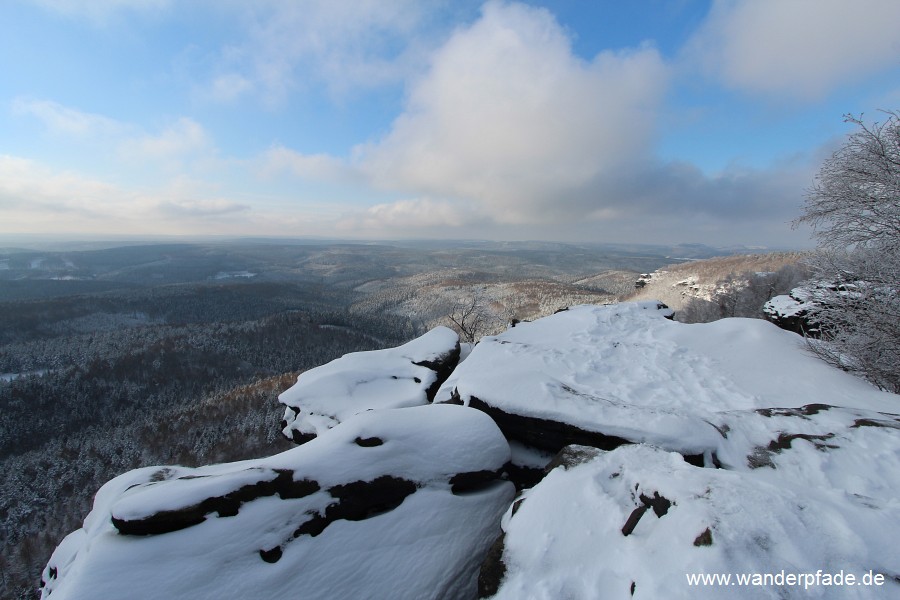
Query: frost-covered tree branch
{"x": 855, "y": 200}
{"x": 854, "y": 208}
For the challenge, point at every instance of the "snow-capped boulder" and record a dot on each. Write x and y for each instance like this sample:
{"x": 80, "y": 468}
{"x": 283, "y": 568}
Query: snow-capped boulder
{"x": 791, "y": 311}
{"x": 408, "y": 375}
{"x": 604, "y": 376}
{"x": 640, "y": 522}
{"x": 395, "y": 503}
{"x": 800, "y": 311}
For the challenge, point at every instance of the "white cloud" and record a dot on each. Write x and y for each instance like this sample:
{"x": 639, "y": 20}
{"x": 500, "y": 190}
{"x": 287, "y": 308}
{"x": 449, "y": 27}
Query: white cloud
{"x": 201, "y": 208}
{"x": 35, "y": 198}
{"x": 184, "y": 136}
{"x": 308, "y": 43}
{"x": 320, "y": 167}
{"x": 509, "y": 118}
{"x": 227, "y": 88}
{"x": 505, "y": 131}
{"x": 29, "y": 189}
{"x": 63, "y": 119}
{"x": 411, "y": 217}
{"x": 802, "y": 48}
{"x": 182, "y": 146}
{"x": 508, "y": 133}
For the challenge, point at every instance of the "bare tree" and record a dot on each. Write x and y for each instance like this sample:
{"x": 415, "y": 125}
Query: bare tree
{"x": 472, "y": 318}
{"x": 854, "y": 208}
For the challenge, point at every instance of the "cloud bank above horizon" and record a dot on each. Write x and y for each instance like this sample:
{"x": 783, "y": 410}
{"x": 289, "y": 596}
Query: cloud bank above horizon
{"x": 703, "y": 122}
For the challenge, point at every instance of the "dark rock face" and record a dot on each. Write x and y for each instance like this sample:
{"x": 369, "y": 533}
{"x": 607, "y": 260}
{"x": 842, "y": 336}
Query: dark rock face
{"x": 571, "y": 445}
{"x": 298, "y": 437}
{"x": 671, "y": 313}
{"x": 797, "y": 322}
{"x": 704, "y": 539}
{"x": 545, "y": 434}
{"x": 825, "y": 428}
{"x": 226, "y": 505}
{"x": 442, "y": 366}
{"x": 659, "y": 504}
{"x": 804, "y": 411}
{"x": 571, "y": 456}
{"x": 466, "y": 483}
{"x": 891, "y": 423}
{"x": 354, "y": 501}
{"x": 633, "y": 519}
{"x": 493, "y": 569}
{"x": 370, "y": 442}
{"x": 523, "y": 477}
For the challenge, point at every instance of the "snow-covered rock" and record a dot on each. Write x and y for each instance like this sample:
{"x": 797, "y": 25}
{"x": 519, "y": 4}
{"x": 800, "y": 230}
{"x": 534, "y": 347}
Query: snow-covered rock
{"x": 719, "y": 449}
{"x": 640, "y": 522}
{"x": 624, "y": 373}
{"x": 807, "y": 457}
{"x": 792, "y": 311}
{"x": 408, "y": 375}
{"x": 799, "y": 310}
{"x": 390, "y": 504}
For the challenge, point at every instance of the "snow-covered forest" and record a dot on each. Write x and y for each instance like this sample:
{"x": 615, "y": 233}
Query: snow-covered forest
{"x": 87, "y": 405}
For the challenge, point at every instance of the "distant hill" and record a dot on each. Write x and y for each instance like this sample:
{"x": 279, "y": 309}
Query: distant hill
{"x": 677, "y": 284}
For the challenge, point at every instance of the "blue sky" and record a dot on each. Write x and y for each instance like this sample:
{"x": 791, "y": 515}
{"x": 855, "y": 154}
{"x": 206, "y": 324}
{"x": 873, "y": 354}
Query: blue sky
{"x": 653, "y": 121}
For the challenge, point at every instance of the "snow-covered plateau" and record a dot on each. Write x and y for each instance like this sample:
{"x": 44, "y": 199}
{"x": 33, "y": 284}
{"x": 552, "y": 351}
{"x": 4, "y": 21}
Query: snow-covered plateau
{"x": 601, "y": 452}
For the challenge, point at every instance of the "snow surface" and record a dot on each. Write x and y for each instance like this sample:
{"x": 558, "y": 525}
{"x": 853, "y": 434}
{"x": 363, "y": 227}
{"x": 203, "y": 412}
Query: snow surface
{"x": 566, "y": 541}
{"x": 429, "y": 547}
{"x": 628, "y": 371}
{"x": 328, "y": 395}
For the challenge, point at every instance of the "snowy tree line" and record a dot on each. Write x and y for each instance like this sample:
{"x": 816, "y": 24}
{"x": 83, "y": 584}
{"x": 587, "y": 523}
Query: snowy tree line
{"x": 742, "y": 294}
{"x": 104, "y": 378}
{"x": 177, "y": 304}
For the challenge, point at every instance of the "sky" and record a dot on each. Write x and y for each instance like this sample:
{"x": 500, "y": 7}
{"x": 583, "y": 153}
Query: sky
{"x": 680, "y": 121}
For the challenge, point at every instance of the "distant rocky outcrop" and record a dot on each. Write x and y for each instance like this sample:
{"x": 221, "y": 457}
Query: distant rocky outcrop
{"x": 794, "y": 311}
